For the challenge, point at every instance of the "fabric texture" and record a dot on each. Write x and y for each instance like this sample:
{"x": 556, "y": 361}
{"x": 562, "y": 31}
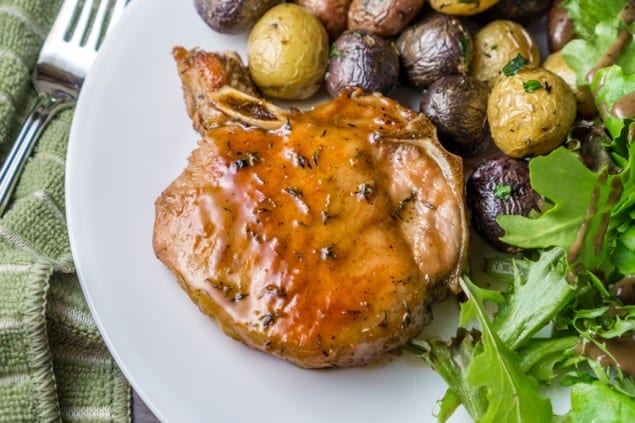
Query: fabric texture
{"x": 54, "y": 366}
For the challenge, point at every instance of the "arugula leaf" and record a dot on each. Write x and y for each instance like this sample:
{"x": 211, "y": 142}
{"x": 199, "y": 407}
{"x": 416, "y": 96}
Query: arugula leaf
{"x": 606, "y": 322}
{"x": 545, "y": 358}
{"x": 512, "y": 396}
{"x": 551, "y": 177}
{"x": 582, "y": 201}
{"x": 447, "y": 406}
{"x": 527, "y": 309}
{"x": 624, "y": 215}
{"x": 590, "y": 216}
{"x": 451, "y": 361}
{"x": 624, "y": 259}
{"x": 628, "y": 238}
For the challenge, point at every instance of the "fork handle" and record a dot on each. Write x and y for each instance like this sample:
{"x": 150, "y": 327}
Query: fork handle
{"x": 46, "y": 107}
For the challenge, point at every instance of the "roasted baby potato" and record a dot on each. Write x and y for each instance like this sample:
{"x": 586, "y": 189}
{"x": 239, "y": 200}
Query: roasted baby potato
{"x": 499, "y": 185}
{"x": 280, "y": 62}
{"x": 332, "y": 13}
{"x": 496, "y": 44}
{"x": 364, "y": 60}
{"x": 522, "y": 11}
{"x": 462, "y": 7}
{"x": 436, "y": 46}
{"x": 457, "y": 105}
{"x": 385, "y": 18}
{"x": 584, "y": 99}
{"x": 531, "y": 112}
{"x": 232, "y": 16}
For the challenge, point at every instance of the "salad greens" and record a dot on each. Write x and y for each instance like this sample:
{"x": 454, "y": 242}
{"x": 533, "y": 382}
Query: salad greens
{"x": 597, "y": 24}
{"x": 581, "y": 252}
{"x": 511, "y": 396}
{"x": 611, "y": 84}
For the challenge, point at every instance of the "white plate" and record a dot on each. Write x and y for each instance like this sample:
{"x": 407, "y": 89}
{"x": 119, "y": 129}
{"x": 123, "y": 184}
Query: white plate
{"x": 130, "y": 138}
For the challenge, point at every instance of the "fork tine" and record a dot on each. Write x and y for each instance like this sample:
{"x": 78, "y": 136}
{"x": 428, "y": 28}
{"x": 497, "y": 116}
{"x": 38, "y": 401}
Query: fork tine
{"x": 117, "y": 10}
{"x": 98, "y": 25}
{"x": 64, "y": 19}
{"x": 82, "y": 22}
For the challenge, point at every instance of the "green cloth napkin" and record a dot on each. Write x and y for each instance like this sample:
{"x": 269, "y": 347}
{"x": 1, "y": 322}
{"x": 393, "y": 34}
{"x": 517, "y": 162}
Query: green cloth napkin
{"x": 54, "y": 366}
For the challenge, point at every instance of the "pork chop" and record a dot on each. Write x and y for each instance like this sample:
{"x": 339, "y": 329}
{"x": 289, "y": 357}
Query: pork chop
{"x": 320, "y": 236}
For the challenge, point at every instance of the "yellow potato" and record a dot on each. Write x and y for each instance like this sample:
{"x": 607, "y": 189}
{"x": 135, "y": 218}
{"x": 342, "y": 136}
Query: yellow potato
{"x": 530, "y": 113}
{"x": 496, "y": 44}
{"x": 288, "y": 52}
{"x": 462, "y": 8}
{"x": 556, "y": 64}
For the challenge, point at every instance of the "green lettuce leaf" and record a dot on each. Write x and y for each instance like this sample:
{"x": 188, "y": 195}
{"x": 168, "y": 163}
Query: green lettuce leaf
{"x": 609, "y": 85}
{"x": 595, "y": 402}
{"x": 583, "y": 55}
{"x": 624, "y": 259}
{"x": 512, "y": 396}
{"x": 577, "y": 222}
{"x": 547, "y": 358}
{"x": 587, "y": 14}
{"x": 597, "y": 26}
{"x": 527, "y": 309}
{"x": 590, "y": 215}
{"x": 451, "y": 361}
{"x": 624, "y": 214}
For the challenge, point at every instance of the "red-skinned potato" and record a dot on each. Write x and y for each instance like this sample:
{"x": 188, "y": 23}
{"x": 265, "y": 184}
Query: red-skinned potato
{"x": 499, "y": 185}
{"x": 521, "y": 11}
{"x": 232, "y": 16}
{"x": 433, "y": 47}
{"x": 332, "y": 13}
{"x": 360, "y": 59}
{"x": 385, "y": 18}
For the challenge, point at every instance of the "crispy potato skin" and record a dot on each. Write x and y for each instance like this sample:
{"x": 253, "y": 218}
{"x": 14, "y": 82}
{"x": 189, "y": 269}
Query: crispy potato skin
{"x": 363, "y": 60}
{"x": 496, "y": 44}
{"x": 433, "y": 47}
{"x": 457, "y": 105}
{"x": 232, "y": 16}
{"x": 381, "y": 17}
{"x": 586, "y": 105}
{"x": 332, "y": 13}
{"x": 530, "y": 123}
{"x": 280, "y": 63}
{"x": 485, "y": 206}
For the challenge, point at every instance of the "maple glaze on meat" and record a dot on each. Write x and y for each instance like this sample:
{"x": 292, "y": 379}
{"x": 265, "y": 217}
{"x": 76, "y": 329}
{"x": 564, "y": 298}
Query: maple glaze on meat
{"x": 320, "y": 237}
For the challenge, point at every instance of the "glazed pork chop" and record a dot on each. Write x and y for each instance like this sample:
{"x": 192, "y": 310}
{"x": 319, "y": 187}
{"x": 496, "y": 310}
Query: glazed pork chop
{"x": 320, "y": 236}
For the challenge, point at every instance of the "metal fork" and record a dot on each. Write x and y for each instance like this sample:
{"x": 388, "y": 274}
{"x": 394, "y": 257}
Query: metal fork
{"x": 65, "y": 58}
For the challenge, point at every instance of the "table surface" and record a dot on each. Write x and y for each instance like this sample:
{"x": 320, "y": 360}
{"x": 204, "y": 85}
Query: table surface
{"x": 140, "y": 412}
